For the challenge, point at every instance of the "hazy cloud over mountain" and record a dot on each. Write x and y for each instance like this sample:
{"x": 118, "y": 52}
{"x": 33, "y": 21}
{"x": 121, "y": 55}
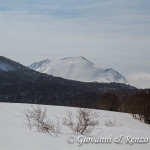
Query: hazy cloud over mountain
{"x": 140, "y": 80}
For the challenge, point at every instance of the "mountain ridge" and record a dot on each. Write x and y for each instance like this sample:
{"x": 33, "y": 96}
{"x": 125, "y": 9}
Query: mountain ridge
{"x": 79, "y": 69}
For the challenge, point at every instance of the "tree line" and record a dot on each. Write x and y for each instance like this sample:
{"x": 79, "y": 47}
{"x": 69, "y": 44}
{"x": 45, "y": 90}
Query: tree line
{"x": 137, "y": 104}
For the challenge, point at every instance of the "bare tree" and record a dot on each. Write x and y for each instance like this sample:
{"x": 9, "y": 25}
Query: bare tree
{"x": 140, "y": 107}
{"x": 83, "y": 122}
{"x": 37, "y": 119}
{"x": 109, "y": 101}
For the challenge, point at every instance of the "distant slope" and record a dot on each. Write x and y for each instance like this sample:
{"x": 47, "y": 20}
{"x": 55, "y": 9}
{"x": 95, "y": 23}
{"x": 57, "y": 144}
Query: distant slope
{"x": 77, "y": 68}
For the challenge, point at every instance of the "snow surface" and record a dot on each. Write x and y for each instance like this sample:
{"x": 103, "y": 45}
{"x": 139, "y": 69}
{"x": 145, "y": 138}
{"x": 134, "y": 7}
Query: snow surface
{"x": 77, "y": 68}
{"x": 14, "y": 134}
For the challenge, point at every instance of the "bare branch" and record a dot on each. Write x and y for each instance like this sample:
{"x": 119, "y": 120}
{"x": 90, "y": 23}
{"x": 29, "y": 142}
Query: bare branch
{"x": 37, "y": 119}
{"x": 84, "y": 122}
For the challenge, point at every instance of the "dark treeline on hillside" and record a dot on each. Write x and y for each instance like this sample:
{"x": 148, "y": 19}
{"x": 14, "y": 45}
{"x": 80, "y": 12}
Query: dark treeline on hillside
{"x": 28, "y": 86}
{"x": 36, "y": 88}
{"x": 138, "y": 104}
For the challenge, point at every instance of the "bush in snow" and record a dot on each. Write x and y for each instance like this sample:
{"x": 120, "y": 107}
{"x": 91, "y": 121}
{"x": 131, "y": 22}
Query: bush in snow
{"x": 83, "y": 122}
{"x": 37, "y": 119}
{"x": 110, "y": 123}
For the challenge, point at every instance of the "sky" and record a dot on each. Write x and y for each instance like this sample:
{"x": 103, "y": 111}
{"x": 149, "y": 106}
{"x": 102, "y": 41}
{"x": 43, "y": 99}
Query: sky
{"x": 111, "y": 33}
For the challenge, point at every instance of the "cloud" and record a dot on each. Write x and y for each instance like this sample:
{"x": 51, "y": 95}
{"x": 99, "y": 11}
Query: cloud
{"x": 139, "y": 80}
{"x": 110, "y": 34}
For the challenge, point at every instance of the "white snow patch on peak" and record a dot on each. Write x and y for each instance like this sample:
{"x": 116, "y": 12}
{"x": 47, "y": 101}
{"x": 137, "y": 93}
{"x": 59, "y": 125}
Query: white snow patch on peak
{"x": 77, "y": 68}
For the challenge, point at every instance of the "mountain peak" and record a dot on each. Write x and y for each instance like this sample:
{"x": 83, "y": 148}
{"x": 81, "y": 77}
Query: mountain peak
{"x": 74, "y": 59}
{"x": 77, "y": 68}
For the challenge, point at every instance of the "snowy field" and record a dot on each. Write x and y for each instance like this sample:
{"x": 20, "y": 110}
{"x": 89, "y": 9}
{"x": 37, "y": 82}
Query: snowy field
{"x": 14, "y": 134}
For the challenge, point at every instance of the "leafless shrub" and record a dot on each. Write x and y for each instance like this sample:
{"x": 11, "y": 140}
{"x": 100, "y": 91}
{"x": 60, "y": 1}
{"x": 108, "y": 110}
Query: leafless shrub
{"x": 83, "y": 122}
{"x": 110, "y": 123}
{"x": 37, "y": 119}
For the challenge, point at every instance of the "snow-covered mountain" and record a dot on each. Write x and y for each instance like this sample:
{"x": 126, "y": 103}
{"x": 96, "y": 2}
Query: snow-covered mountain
{"x": 77, "y": 68}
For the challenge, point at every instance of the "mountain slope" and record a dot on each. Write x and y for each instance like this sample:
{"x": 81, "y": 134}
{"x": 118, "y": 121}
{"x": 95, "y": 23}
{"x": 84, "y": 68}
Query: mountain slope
{"x": 77, "y": 68}
{"x": 35, "y": 66}
{"x": 23, "y": 85}
{"x": 9, "y": 65}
